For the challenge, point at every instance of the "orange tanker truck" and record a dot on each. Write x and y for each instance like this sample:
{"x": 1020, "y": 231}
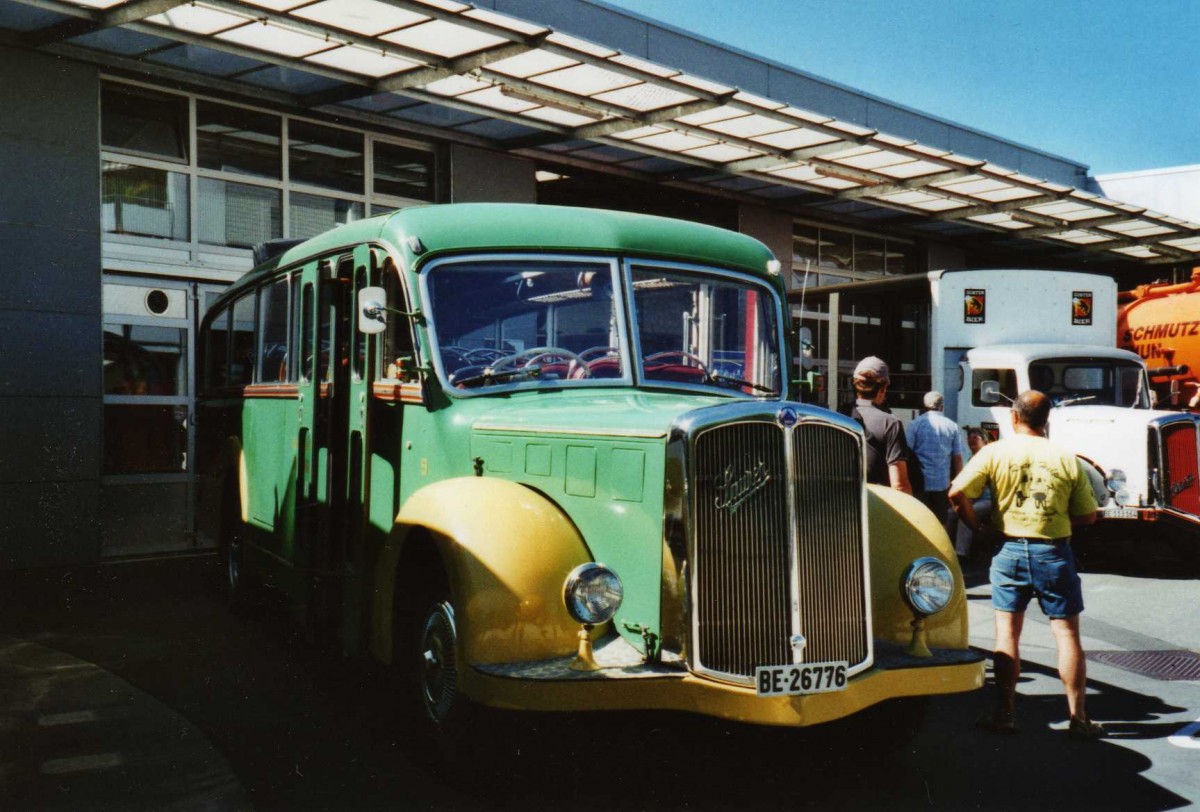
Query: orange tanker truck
{"x": 1161, "y": 323}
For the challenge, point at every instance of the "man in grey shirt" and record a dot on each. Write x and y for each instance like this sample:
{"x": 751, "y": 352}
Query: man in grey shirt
{"x": 887, "y": 450}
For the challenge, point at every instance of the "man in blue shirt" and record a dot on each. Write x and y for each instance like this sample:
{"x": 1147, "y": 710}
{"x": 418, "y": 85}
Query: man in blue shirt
{"x": 937, "y": 442}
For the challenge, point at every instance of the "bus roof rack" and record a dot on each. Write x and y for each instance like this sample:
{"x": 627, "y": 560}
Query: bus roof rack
{"x": 269, "y": 250}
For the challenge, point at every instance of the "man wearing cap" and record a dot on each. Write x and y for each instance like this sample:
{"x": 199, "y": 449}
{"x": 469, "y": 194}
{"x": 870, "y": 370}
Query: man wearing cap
{"x": 887, "y": 449}
{"x": 937, "y": 442}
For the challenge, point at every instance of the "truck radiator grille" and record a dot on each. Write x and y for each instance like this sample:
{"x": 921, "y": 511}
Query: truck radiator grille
{"x": 1181, "y": 480}
{"x": 754, "y": 583}
{"x": 833, "y": 601}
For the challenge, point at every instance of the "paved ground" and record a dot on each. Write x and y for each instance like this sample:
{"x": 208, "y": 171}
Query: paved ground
{"x": 131, "y": 687}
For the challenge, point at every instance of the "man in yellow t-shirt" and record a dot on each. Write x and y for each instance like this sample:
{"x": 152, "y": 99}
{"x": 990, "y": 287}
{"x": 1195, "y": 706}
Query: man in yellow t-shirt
{"x": 1040, "y": 492}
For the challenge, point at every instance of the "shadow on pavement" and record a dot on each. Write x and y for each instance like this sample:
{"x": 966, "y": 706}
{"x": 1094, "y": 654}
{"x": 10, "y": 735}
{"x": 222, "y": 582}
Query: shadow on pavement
{"x": 304, "y": 729}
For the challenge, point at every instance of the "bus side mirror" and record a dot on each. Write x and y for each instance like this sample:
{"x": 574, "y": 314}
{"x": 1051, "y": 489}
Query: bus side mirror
{"x": 372, "y": 311}
{"x": 989, "y": 392}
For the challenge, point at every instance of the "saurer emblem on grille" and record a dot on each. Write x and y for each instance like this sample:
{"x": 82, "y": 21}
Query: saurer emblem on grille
{"x": 1182, "y": 485}
{"x": 737, "y": 483}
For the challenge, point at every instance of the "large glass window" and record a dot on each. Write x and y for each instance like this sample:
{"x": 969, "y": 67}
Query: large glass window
{"x": 238, "y": 214}
{"x": 525, "y": 322}
{"x": 136, "y": 120}
{"x": 403, "y": 171}
{"x": 312, "y": 214}
{"x": 828, "y": 256}
{"x": 1091, "y": 381}
{"x": 232, "y": 139}
{"x": 143, "y": 201}
{"x": 144, "y": 360}
{"x": 273, "y": 305}
{"x": 701, "y": 329}
{"x": 325, "y": 157}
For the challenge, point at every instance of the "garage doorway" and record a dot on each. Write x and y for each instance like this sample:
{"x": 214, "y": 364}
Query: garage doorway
{"x": 147, "y": 478}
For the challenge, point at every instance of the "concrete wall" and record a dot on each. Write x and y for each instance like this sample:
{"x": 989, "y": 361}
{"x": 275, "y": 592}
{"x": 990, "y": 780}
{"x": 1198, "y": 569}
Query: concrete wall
{"x": 773, "y": 229}
{"x": 480, "y": 176}
{"x": 50, "y": 372}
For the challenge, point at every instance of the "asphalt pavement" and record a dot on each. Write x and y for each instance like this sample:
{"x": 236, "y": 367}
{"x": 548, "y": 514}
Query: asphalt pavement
{"x": 130, "y": 686}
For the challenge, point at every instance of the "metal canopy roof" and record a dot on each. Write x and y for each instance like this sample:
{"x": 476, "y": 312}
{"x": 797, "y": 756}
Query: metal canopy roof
{"x": 521, "y": 86}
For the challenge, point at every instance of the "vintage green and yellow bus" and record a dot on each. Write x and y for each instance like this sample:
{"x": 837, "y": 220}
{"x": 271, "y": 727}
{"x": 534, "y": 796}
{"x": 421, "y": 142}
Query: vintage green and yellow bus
{"x": 544, "y": 458}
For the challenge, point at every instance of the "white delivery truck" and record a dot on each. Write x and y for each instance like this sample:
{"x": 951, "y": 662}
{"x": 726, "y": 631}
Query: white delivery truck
{"x": 991, "y": 334}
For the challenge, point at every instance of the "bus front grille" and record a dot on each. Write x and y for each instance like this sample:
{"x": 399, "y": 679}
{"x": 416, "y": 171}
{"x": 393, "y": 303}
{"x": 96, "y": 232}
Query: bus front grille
{"x": 778, "y": 547}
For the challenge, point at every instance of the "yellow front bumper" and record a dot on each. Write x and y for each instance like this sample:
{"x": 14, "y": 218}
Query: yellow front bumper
{"x": 948, "y": 672}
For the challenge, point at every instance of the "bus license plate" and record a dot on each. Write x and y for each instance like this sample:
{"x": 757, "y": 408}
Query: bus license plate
{"x": 793, "y": 680}
{"x": 1119, "y": 513}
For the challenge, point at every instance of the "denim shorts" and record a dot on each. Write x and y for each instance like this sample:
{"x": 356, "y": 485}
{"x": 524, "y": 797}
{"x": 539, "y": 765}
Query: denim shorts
{"x": 1027, "y": 567}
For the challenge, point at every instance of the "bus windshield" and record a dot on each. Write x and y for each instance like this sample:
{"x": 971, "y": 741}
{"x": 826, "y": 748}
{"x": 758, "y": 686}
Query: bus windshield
{"x": 551, "y": 322}
{"x": 1091, "y": 381}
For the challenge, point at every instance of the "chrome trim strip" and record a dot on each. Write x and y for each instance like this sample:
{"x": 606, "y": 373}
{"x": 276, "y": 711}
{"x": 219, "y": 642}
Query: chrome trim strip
{"x": 647, "y": 434}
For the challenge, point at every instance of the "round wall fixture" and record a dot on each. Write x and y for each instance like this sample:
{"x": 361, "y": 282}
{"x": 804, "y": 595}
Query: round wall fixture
{"x": 157, "y": 302}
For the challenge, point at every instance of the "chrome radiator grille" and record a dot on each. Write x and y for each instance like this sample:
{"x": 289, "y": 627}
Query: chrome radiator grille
{"x": 777, "y": 546}
{"x": 831, "y": 560}
{"x": 1181, "y": 477}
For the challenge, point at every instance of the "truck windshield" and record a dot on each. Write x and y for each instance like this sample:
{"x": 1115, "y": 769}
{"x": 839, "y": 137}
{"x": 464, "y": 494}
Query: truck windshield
{"x": 1091, "y": 381}
{"x": 534, "y": 322}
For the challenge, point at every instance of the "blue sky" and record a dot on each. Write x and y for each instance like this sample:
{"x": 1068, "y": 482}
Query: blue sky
{"x": 1114, "y": 84}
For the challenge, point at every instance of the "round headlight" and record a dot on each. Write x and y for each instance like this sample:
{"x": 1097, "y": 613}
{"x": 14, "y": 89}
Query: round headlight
{"x": 1115, "y": 481}
{"x": 928, "y": 586}
{"x": 592, "y": 593}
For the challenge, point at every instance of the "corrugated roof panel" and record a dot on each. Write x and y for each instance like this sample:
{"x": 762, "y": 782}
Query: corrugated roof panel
{"x": 197, "y": 19}
{"x": 506, "y": 22}
{"x": 531, "y": 63}
{"x": 443, "y": 38}
{"x": 367, "y": 17}
{"x": 556, "y": 116}
{"x": 643, "y": 97}
{"x": 912, "y": 169}
{"x": 456, "y": 86}
{"x": 1137, "y": 251}
{"x": 576, "y": 44}
{"x": 198, "y": 58}
{"x": 360, "y": 60}
{"x": 758, "y": 101}
{"x": 643, "y": 65}
{"x": 277, "y": 5}
{"x": 123, "y": 41}
{"x": 722, "y": 153}
{"x": 275, "y": 39}
{"x": 799, "y": 172}
{"x": 290, "y": 80}
{"x": 1135, "y": 228}
{"x": 795, "y": 139}
{"x": 639, "y": 132}
{"x": 702, "y": 84}
{"x": 494, "y": 98}
{"x": 1002, "y": 219}
{"x": 672, "y": 141}
{"x": 748, "y": 126}
{"x": 584, "y": 80}
{"x": 1080, "y": 237}
{"x": 1188, "y": 244}
{"x": 713, "y": 114}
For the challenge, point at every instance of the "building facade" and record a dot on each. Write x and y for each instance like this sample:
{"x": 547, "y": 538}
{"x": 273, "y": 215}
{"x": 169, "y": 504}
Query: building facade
{"x": 147, "y": 145}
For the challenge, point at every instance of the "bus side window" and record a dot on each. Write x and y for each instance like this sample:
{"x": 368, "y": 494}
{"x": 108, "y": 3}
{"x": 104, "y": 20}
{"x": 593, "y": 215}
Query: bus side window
{"x": 241, "y": 368}
{"x": 397, "y": 339}
{"x": 273, "y": 307}
{"x": 216, "y": 353}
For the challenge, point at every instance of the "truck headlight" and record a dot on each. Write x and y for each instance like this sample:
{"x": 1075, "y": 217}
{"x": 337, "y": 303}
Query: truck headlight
{"x": 928, "y": 586}
{"x": 1116, "y": 482}
{"x": 592, "y": 593}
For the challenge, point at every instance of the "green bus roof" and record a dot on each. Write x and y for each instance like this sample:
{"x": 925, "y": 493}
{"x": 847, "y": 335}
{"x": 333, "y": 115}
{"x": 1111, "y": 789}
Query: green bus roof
{"x": 466, "y": 227}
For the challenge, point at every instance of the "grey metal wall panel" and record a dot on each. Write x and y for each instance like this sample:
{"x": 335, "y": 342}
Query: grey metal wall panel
{"x": 49, "y": 310}
{"x": 887, "y": 118}
{"x": 57, "y": 523}
{"x": 708, "y": 61}
{"x": 50, "y": 354}
{"x": 44, "y": 268}
{"x": 50, "y": 439}
{"x": 812, "y": 94}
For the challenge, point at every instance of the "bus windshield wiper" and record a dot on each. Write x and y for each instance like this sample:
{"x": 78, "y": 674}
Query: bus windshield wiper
{"x": 716, "y": 377}
{"x": 488, "y": 376}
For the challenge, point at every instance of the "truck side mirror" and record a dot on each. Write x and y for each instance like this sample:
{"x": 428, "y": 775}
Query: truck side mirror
{"x": 989, "y": 392}
{"x": 372, "y": 311}
{"x": 807, "y": 349}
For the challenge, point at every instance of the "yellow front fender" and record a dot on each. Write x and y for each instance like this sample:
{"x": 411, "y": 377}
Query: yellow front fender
{"x": 902, "y": 529}
{"x": 506, "y": 550}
